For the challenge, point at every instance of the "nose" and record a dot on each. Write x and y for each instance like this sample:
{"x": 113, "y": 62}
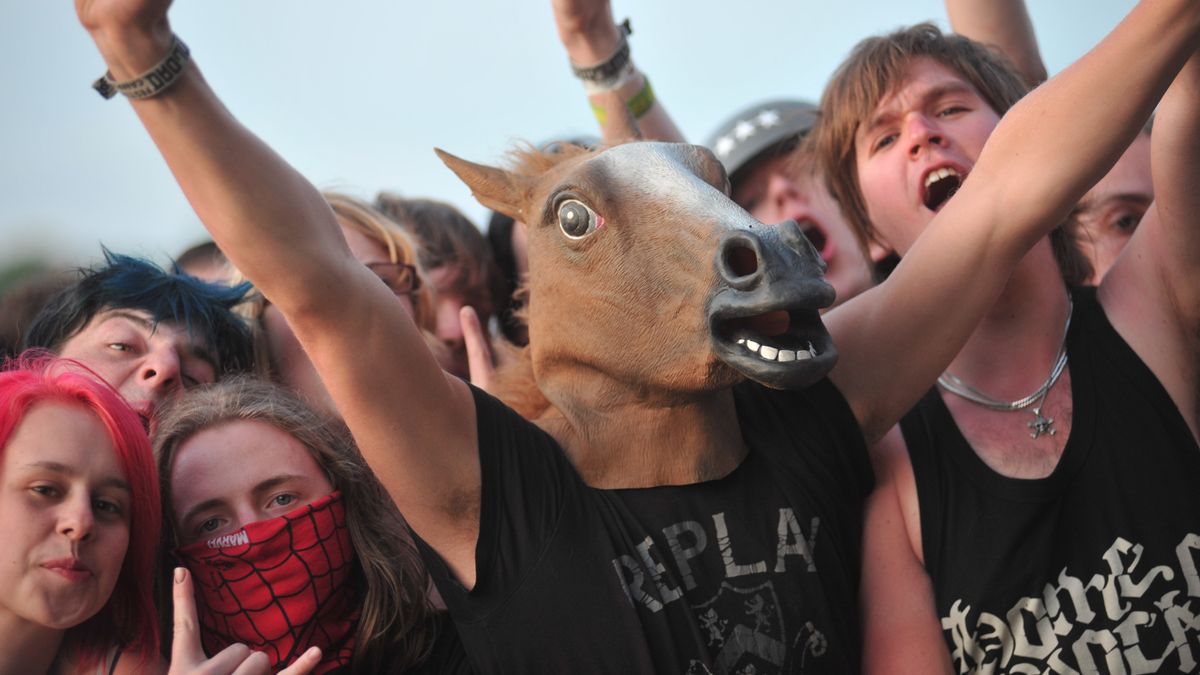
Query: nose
{"x": 922, "y": 132}
{"x": 739, "y": 259}
{"x": 160, "y": 370}
{"x": 782, "y": 196}
{"x": 76, "y": 519}
{"x": 794, "y": 238}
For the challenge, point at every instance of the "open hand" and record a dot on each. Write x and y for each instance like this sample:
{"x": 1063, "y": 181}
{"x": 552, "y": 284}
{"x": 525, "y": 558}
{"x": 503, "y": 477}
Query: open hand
{"x": 187, "y": 656}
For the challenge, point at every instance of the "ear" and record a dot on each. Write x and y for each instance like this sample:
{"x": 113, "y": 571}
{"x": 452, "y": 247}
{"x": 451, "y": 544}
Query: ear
{"x": 495, "y": 188}
{"x": 877, "y": 250}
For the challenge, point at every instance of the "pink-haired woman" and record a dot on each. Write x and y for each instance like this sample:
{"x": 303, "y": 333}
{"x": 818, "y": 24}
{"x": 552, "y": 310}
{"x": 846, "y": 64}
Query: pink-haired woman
{"x": 79, "y": 509}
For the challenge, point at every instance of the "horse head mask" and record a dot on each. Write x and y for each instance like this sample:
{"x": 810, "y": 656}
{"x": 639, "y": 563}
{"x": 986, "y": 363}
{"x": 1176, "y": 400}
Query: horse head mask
{"x": 644, "y": 273}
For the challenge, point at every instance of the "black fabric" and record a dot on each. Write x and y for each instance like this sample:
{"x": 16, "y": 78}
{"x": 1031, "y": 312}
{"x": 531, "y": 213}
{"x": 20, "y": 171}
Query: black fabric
{"x": 575, "y": 579}
{"x": 447, "y": 656}
{"x": 1091, "y": 569}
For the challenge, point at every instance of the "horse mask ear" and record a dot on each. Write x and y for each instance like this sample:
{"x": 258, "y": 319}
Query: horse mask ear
{"x": 496, "y": 189}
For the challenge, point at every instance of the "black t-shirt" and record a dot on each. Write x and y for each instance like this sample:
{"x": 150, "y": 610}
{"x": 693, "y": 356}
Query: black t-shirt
{"x": 1091, "y": 569}
{"x": 446, "y": 655}
{"x": 756, "y": 572}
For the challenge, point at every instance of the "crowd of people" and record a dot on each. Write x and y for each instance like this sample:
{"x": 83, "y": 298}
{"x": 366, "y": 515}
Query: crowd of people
{"x": 905, "y": 380}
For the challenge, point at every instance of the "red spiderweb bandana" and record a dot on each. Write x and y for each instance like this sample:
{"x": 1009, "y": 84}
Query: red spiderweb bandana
{"x": 280, "y": 586}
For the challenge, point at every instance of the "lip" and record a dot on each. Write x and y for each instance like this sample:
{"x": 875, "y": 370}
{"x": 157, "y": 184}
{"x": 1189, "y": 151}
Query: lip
{"x": 742, "y": 348}
{"x": 145, "y": 412}
{"x": 963, "y": 172}
{"x": 71, "y": 569}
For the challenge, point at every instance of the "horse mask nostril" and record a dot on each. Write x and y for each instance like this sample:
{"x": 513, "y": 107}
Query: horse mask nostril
{"x": 741, "y": 259}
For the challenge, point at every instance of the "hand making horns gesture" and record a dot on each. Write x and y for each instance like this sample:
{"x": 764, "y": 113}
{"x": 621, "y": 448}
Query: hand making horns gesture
{"x": 187, "y": 656}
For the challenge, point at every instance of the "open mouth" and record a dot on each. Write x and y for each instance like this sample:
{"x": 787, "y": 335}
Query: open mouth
{"x": 940, "y": 186}
{"x": 774, "y": 336}
{"x": 816, "y": 236}
{"x": 785, "y": 348}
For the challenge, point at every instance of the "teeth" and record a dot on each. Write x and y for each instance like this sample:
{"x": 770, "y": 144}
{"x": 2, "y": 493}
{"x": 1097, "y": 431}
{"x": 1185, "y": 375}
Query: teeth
{"x": 935, "y": 176}
{"x": 769, "y": 353}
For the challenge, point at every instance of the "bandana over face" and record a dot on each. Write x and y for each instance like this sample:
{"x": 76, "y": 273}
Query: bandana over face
{"x": 280, "y": 586}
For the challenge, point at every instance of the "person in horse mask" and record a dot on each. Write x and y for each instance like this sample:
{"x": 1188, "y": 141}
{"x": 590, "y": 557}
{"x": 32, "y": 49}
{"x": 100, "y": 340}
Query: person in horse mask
{"x": 995, "y": 477}
{"x": 658, "y": 518}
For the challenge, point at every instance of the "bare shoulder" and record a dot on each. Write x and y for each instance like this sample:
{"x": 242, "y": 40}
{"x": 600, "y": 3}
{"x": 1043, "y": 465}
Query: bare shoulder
{"x": 901, "y": 630}
{"x": 896, "y": 483}
{"x": 1139, "y": 296}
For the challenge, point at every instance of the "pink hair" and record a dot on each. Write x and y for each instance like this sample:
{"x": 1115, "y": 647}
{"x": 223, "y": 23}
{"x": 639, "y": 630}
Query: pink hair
{"x": 128, "y": 618}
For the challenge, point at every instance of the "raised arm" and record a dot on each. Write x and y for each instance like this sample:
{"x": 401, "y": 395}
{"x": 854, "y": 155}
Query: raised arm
{"x": 1152, "y": 292}
{"x": 1041, "y": 158}
{"x": 1003, "y": 24}
{"x": 591, "y": 37}
{"x": 413, "y": 423}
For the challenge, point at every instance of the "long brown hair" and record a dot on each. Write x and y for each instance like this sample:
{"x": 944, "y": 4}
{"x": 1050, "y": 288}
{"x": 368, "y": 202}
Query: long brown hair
{"x": 875, "y": 68}
{"x": 392, "y": 633}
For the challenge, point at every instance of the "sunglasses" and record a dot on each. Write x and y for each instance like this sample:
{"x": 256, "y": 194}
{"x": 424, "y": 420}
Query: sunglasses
{"x": 400, "y": 277}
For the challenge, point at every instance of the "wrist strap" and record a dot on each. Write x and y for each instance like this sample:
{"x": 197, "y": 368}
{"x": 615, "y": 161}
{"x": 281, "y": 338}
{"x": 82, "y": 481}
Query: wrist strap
{"x": 605, "y": 74}
{"x": 153, "y": 81}
{"x": 639, "y": 104}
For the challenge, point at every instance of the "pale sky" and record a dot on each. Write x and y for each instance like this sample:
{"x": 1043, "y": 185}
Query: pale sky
{"x": 356, "y": 94}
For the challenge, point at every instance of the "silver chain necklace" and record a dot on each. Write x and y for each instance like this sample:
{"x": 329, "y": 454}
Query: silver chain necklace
{"x": 1040, "y": 425}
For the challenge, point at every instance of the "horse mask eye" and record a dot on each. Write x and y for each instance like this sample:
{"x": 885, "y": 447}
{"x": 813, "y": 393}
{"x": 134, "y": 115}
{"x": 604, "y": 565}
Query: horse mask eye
{"x": 576, "y": 219}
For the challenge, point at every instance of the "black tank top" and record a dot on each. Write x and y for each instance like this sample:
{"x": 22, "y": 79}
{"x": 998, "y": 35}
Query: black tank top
{"x": 1092, "y": 569}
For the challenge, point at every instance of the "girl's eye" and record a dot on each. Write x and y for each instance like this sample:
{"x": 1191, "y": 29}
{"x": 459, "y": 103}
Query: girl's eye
{"x": 1128, "y": 222}
{"x": 107, "y": 507}
{"x": 45, "y": 490}
{"x": 283, "y": 500}
{"x": 119, "y": 347}
{"x": 190, "y": 381}
{"x": 952, "y": 110}
{"x": 210, "y": 525}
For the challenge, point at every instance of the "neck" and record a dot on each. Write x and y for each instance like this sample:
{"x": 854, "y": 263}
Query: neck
{"x": 1017, "y": 343}
{"x": 28, "y": 647}
{"x": 620, "y": 438}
